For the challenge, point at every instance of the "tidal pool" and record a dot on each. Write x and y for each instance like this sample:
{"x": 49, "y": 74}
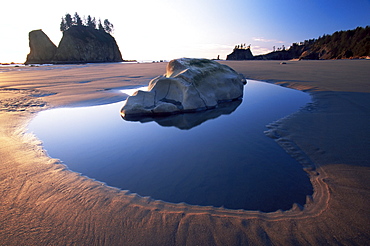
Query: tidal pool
{"x": 218, "y": 157}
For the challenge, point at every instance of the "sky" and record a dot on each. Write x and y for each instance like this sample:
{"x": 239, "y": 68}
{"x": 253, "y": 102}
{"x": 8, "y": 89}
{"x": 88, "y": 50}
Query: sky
{"x": 168, "y": 29}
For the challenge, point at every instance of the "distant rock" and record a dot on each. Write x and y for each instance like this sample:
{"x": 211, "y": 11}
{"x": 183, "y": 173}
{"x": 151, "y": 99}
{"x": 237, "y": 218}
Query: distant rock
{"x": 42, "y": 49}
{"x": 240, "y": 54}
{"x": 79, "y": 44}
{"x": 277, "y": 55}
{"x": 188, "y": 85}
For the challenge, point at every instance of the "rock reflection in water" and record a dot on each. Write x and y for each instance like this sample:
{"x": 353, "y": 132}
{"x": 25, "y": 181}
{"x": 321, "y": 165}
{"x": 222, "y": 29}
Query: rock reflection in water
{"x": 186, "y": 121}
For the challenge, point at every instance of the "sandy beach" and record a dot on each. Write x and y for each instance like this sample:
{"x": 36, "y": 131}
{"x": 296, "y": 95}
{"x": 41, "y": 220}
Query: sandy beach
{"x": 44, "y": 203}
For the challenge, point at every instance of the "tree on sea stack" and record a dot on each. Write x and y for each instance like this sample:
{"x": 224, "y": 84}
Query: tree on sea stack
{"x": 63, "y": 25}
{"x": 100, "y": 26}
{"x": 77, "y": 20}
{"x": 91, "y": 22}
{"x": 67, "y": 22}
{"x": 108, "y": 27}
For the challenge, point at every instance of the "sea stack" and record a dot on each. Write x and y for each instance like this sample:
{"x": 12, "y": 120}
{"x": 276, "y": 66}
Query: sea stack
{"x": 188, "y": 85}
{"x": 79, "y": 44}
{"x": 240, "y": 54}
{"x": 42, "y": 48}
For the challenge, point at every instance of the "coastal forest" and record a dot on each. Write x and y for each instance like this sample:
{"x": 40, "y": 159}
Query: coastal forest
{"x": 68, "y": 21}
{"x": 350, "y": 44}
{"x": 342, "y": 44}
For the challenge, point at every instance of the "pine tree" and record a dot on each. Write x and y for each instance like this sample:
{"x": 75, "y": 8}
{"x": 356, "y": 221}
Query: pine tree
{"x": 63, "y": 25}
{"x": 108, "y": 27}
{"x": 68, "y": 21}
{"x": 77, "y": 20}
{"x": 100, "y": 26}
{"x": 91, "y": 22}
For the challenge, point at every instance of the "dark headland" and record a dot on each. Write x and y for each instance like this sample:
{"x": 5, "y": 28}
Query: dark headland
{"x": 351, "y": 44}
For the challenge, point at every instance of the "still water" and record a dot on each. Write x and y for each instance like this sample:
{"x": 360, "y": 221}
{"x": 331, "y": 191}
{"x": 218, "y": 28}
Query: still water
{"x": 218, "y": 157}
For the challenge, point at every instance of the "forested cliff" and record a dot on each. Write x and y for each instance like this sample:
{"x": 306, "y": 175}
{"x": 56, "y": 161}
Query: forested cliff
{"x": 339, "y": 45}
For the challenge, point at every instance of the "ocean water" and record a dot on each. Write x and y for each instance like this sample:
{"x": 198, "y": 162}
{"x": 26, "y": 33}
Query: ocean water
{"x": 218, "y": 157}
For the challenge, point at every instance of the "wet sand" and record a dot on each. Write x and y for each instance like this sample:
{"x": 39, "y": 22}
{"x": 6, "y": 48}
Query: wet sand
{"x": 43, "y": 203}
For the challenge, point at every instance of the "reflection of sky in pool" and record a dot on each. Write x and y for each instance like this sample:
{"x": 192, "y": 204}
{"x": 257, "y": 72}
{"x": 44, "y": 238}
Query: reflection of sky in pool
{"x": 132, "y": 90}
{"x": 224, "y": 161}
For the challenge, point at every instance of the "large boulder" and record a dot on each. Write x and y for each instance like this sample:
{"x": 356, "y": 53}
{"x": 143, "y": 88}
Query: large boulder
{"x": 42, "y": 49}
{"x": 188, "y": 85}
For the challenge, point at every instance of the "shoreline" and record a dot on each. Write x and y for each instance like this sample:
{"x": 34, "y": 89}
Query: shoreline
{"x": 174, "y": 223}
